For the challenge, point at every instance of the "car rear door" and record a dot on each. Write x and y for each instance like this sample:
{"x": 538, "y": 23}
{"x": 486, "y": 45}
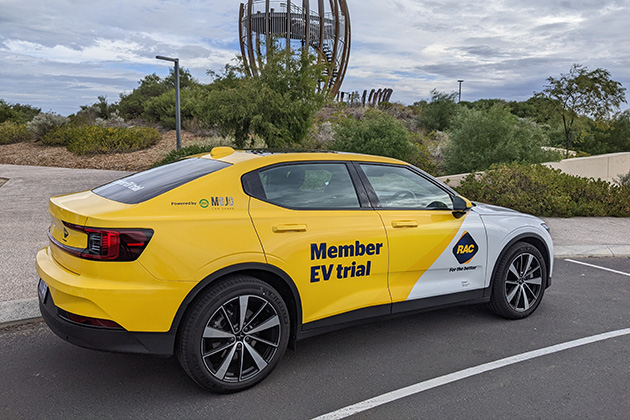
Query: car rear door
{"x": 316, "y": 224}
{"x": 433, "y": 252}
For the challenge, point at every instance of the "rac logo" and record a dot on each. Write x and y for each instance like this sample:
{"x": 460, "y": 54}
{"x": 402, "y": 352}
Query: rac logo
{"x": 465, "y": 249}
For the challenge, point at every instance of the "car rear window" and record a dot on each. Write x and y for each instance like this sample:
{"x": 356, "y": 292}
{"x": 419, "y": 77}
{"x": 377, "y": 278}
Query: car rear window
{"x": 149, "y": 184}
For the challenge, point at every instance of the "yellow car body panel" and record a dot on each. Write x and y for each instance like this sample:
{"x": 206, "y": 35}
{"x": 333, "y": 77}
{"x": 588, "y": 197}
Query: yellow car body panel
{"x": 416, "y": 239}
{"x": 127, "y": 294}
{"x": 329, "y": 283}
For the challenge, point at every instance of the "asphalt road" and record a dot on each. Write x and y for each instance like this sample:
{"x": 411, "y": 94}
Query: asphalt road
{"x": 43, "y": 377}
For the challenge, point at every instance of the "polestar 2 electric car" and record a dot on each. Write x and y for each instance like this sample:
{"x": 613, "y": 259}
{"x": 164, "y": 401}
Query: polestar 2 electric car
{"x": 227, "y": 258}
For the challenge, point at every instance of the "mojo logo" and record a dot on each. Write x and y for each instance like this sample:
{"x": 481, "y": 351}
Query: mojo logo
{"x": 465, "y": 249}
{"x": 222, "y": 201}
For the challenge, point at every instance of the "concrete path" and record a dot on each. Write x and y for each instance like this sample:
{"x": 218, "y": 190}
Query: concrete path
{"x": 24, "y": 219}
{"x": 590, "y": 236}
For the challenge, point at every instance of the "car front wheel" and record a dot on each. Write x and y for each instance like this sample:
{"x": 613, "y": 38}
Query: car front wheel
{"x": 519, "y": 282}
{"x": 234, "y": 335}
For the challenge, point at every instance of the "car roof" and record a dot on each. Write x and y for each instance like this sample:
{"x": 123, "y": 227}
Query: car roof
{"x": 267, "y": 156}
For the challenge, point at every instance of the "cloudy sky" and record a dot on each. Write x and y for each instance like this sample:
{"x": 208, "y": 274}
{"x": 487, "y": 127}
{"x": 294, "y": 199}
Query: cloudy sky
{"x": 61, "y": 54}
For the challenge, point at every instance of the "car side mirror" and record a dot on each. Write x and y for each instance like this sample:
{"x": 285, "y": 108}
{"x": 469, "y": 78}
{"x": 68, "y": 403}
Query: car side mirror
{"x": 460, "y": 206}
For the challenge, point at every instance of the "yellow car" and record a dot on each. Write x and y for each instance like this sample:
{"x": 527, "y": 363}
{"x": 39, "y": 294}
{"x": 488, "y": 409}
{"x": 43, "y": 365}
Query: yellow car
{"x": 225, "y": 259}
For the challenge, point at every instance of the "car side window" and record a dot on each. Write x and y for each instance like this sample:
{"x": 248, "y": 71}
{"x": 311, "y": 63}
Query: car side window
{"x": 310, "y": 186}
{"x": 399, "y": 187}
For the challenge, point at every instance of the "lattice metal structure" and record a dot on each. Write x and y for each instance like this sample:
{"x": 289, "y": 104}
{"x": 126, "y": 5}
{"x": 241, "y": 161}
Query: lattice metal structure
{"x": 320, "y": 26}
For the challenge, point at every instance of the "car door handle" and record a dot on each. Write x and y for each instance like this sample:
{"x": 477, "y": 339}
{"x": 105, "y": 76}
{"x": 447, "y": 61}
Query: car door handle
{"x": 289, "y": 228}
{"x": 404, "y": 224}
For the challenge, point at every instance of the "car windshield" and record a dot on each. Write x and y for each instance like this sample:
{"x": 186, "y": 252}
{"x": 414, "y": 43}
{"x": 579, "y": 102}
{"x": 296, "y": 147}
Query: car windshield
{"x": 149, "y": 184}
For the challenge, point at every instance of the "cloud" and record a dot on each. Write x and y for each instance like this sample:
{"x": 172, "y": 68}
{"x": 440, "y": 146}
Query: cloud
{"x": 61, "y": 54}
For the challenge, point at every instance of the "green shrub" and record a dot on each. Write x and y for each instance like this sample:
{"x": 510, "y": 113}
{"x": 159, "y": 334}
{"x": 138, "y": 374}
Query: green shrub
{"x": 176, "y": 155}
{"x": 92, "y": 139}
{"x": 437, "y": 114}
{"x": 17, "y": 113}
{"x": 379, "y": 134}
{"x": 161, "y": 109}
{"x": 41, "y": 124}
{"x": 57, "y": 136}
{"x": 624, "y": 180}
{"x": 542, "y": 191}
{"x": 11, "y": 132}
{"x": 480, "y": 138}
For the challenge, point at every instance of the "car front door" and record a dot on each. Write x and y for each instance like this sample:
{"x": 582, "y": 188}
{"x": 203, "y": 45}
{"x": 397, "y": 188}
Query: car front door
{"x": 433, "y": 251}
{"x": 317, "y": 227}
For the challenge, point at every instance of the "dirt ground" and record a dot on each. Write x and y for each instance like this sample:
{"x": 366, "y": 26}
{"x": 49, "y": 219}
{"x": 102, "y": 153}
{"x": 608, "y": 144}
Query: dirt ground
{"x": 33, "y": 154}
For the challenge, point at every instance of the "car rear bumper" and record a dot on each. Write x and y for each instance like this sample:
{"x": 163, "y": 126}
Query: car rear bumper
{"x": 105, "y": 339}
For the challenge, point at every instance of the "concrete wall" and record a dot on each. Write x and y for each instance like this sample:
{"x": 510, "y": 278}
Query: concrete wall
{"x": 607, "y": 167}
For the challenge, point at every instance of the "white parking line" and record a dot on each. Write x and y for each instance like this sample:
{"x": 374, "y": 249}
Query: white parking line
{"x": 462, "y": 374}
{"x": 597, "y": 266}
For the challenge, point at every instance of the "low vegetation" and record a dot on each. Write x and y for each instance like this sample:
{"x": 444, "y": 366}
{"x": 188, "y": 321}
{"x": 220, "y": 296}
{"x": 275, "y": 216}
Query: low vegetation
{"x": 11, "y": 132}
{"x": 43, "y": 123}
{"x": 85, "y": 140}
{"x": 542, "y": 191}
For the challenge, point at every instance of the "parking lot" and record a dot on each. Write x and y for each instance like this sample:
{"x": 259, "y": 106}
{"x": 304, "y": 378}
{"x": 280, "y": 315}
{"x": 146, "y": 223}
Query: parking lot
{"x": 44, "y": 377}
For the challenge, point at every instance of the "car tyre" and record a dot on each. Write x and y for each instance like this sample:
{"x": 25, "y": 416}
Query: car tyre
{"x": 519, "y": 281}
{"x": 234, "y": 335}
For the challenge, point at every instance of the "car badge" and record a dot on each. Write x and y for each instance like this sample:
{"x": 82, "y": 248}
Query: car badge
{"x": 465, "y": 249}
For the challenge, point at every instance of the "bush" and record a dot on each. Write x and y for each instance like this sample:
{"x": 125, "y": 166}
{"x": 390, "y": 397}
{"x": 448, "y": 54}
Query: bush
{"x": 41, "y": 124}
{"x": 17, "y": 113}
{"x": 378, "y": 134}
{"x": 11, "y": 132}
{"x": 100, "y": 110}
{"x": 57, "y": 136}
{"x": 542, "y": 191}
{"x": 132, "y": 105}
{"x": 92, "y": 139}
{"x": 161, "y": 109}
{"x": 176, "y": 155}
{"x": 480, "y": 138}
{"x": 438, "y": 114}
{"x": 114, "y": 120}
{"x": 624, "y": 180}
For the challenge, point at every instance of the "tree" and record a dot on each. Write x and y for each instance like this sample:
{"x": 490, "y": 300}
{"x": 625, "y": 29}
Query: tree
{"x": 582, "y": 92}
{"x": 132, "y": 105}
{"x": 437, "y": 114}
{"x": 480, "y": 138}
{"x": 279, "y": 105}
{"x": 612, "y": 138}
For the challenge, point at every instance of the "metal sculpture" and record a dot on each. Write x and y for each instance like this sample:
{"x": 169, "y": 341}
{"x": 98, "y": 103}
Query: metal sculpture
{"x": 374, "y": 99}
{"x": 322, "y": 28}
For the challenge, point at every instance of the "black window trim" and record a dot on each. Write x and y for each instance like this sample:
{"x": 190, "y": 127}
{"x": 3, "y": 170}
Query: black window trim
{"x": 252, "y": 186}
{"x": 164, "y": 188}
{"x": 376, "y": 204}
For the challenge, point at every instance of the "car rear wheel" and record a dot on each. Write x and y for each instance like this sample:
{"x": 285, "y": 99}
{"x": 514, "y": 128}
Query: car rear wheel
{"x": 519, "y": 282}
{"x": 234, "y": 335}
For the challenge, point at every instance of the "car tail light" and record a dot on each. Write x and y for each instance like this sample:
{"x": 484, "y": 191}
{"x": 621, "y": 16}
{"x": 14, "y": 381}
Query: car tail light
{"x": 92, "y": 322}
{"x": 110, "y": 244}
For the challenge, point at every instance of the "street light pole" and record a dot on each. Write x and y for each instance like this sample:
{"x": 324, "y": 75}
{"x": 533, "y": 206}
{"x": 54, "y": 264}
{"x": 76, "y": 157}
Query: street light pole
{"x": 460, "y": 90}
{"x": 178, "y": 123}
